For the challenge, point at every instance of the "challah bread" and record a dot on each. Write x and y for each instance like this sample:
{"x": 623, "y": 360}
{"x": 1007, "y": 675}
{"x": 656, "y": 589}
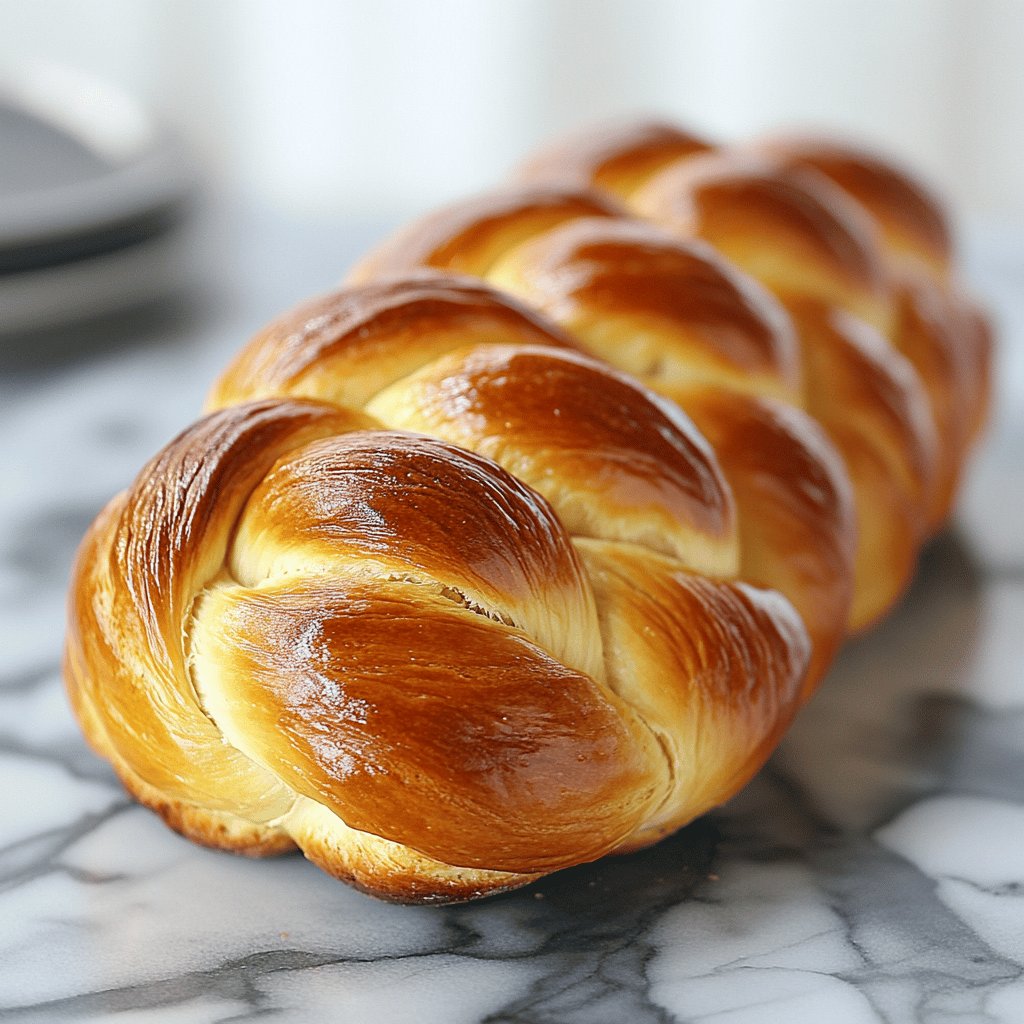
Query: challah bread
{"x": 622, "y": 287}
{"x": 452, "y": 589}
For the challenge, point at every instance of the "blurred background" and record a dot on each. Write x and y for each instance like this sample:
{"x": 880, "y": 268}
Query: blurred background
{"x": 255, "y": 148}
{"x": 381, "y": 108}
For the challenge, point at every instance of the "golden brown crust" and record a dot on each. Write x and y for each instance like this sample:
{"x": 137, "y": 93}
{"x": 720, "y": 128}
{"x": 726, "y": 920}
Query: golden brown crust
{"x": 452, "y": 604}
{"x": 346, "y": 346}
{"x": 660, "y": 308}
{"x": 423, "y": 722}
{"x": 791, "y": 230}
{"x": 911, "y": 219}
{"x": 930, "y": 335}
{"x": 796, "y": 509}
{"x": 421, "y": 510}
{"x": 714, "y": 669}
{"x": 137, "y": 574}
{"x": 467, "y": 237}
{"x": 933, "y": 329}
{"x": 873, "y": 405}
{"x": 613, "y": 459}
{"x": 388, "y": 870}
{"x": 218, "y": 830}
{"x": 854, "y": 376}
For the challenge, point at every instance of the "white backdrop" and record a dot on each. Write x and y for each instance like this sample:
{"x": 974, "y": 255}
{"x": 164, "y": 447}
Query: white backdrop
{"x": 382, "y": 107}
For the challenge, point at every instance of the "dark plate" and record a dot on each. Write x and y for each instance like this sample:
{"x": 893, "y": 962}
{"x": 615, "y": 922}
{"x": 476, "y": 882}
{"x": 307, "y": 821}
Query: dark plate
{"x": 92, "y": 193}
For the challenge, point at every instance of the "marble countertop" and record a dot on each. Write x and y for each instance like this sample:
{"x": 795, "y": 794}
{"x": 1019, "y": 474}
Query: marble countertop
{"x": 874, "y": 871}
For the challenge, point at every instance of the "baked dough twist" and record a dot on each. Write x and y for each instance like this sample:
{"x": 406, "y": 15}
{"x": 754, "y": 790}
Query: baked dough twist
{"x": 442, "y": 597}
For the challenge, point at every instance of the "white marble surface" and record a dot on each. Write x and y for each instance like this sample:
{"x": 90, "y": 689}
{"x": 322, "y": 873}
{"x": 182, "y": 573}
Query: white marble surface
{"x": 874, "y": 871}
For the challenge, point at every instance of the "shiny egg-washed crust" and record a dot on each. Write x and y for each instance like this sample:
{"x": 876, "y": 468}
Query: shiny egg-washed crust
{"x": 890, "y": 358}
{"x": 453, "y": 589}
{"x": 467, "y": 237}
{"x": 728, "y": 196}
{"x": 910, "y": 218}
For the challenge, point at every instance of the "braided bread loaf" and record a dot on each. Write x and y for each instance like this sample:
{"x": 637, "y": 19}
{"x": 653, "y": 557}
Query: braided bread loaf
{"x": 451, "y": 593}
